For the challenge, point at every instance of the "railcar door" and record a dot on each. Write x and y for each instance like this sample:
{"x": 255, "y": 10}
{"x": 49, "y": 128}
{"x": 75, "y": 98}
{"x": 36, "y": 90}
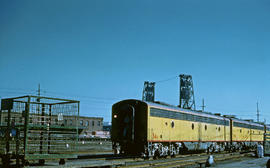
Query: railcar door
{"x": 127, "y": 128}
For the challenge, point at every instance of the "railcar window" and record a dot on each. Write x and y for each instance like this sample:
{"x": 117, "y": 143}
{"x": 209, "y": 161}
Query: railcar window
{"x": 240, "y": 130}
{"x": 215, "y": 121}
{"x": 155, "y": 112}
{"x": 204, "y": 119}
{"x": 185, "y": 116}
{"x": 192, "y": 126}
{"x": 172, "y": 124}
{"x": 218, "y": 128}
{"x": 192, "y": 117}
{"x": 189, "y": 117}
{"x": 205, "y": 127}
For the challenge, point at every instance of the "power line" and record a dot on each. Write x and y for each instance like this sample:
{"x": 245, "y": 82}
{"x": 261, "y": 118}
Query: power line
{"x": 168, "y": 79}
{"x": 82, "y": 96}
{"x": 24, "y": 91}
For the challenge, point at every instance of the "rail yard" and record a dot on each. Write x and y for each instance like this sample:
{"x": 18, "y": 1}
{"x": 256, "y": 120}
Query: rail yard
{"x": 236, "y": 159}
{"x": 144, "y": 133}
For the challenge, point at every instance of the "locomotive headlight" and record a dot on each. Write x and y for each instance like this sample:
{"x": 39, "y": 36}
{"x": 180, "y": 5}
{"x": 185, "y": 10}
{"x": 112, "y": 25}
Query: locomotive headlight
{"x": 115, "y": 116}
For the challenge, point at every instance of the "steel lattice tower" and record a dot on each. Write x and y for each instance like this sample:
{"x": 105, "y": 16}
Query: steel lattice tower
{"x": 186, "y": 99}
{"x": 149, "y": 91}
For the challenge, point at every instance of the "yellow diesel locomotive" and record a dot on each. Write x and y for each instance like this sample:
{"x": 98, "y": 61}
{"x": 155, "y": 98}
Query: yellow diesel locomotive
{"x": 158, "y": 130}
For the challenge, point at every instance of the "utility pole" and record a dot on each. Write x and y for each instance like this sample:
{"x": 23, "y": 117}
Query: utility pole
{"x": 258, "y": 114}
{"x": 203, "y": 106}
{"x": 38, "y": 91}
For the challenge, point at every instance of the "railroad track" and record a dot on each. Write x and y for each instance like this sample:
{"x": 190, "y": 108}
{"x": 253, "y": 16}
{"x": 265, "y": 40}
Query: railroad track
{"x": 181, "y": 161}
{"x": 191, "y": 160}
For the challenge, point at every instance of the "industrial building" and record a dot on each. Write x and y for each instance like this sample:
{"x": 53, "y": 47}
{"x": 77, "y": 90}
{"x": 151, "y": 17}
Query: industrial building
{"x": 90, "y": 125}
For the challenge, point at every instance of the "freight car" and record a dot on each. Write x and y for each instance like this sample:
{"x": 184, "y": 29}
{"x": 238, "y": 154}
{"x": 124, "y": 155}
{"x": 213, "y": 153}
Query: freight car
{"x": 158, "y": 130}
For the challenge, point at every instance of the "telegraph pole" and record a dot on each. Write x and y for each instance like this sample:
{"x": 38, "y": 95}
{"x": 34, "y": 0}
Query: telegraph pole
{"x": 258, "y": 114}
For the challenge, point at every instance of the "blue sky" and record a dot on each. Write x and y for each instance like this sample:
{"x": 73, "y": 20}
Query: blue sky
{"x": 100, "y": 52}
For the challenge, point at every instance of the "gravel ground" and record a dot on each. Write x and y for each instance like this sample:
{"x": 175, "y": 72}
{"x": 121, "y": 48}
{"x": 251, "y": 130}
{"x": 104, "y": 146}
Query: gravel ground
{"x": 245, "y": 162}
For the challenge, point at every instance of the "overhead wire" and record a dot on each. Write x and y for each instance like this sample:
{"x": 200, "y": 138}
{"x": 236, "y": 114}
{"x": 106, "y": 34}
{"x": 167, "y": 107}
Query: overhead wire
{"x": 168, "y": 79}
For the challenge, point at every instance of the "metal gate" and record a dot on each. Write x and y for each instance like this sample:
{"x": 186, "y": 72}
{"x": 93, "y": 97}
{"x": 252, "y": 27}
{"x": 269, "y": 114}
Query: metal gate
{"x": 38, "y": 128}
